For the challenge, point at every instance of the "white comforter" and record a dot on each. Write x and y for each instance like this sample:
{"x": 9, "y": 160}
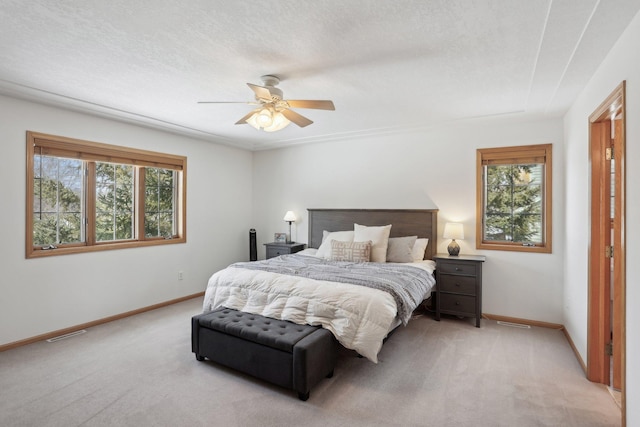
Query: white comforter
{"x": 359, "y": 317}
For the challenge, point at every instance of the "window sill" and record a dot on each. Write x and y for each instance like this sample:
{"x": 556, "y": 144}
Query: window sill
{"x": 514, "y": 248}
{"x": 39, "y": 253}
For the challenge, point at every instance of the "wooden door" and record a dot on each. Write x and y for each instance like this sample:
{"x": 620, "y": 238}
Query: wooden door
{"x": 599, "y": 339}
{"x": 607, "y": 250}
{"x": 618, "y": 334}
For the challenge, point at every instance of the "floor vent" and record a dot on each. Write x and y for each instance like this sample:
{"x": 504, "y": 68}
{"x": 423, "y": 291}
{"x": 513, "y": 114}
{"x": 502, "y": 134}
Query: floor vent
{"x": 514, "y": 325}
{"x": 65, "y": 336}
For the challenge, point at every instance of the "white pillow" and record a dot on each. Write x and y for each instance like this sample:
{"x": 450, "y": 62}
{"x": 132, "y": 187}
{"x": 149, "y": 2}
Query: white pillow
{"x": 400, "y": 249}
{"x": 418, "y": 249}
{"x": 379, "y": 237}
{"x": 308, "y": 251}
{"x": 324, "y": 251}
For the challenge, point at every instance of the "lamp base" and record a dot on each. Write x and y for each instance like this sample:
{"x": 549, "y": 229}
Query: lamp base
{"x": 453, "y": 248}
{"x": 289, "y": 239}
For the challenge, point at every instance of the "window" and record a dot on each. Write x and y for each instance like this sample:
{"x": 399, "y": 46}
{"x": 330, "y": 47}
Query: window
{"x": 514, "y": 198}
{"x": 85, "y": 196}
{"x": 160, "y": 192}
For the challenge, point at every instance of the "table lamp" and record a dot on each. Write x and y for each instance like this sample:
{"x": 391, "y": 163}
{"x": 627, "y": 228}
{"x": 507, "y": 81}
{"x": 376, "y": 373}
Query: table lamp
{"x": 453, "y": 231}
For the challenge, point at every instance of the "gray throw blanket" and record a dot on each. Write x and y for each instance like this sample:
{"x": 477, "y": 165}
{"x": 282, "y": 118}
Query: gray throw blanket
{"x": 406, "y": 284}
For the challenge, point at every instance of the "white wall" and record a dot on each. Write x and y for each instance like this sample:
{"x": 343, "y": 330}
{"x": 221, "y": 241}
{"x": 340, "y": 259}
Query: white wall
{"x": 432, "y": 168}
{"x": 42, "y": 295}
{"x": 622, "y": 63}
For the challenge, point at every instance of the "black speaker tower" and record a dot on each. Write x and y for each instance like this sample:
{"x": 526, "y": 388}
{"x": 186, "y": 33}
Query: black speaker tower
{"x": 253, "y": 250}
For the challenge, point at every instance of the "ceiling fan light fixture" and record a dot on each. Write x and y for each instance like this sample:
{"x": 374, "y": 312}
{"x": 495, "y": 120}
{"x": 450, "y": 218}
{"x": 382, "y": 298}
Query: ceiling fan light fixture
{"x": 264, "y": 118}
{"x": 260, "y": 118}
{"x": 279, "y": 122}
{"x": 268, "y": 120}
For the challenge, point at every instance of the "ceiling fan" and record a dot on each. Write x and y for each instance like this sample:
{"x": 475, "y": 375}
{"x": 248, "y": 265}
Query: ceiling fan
{"x": 274, "y": 113}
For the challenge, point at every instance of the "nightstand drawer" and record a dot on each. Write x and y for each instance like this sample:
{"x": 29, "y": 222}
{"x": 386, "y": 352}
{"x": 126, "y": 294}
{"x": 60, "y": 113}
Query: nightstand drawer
{"x": 452, "y": 267}
{"x": 458, "y": 304}
{"x": 276, "y": 249}
{"x": 274, "y": 252}
{"x": 457, "y": 284}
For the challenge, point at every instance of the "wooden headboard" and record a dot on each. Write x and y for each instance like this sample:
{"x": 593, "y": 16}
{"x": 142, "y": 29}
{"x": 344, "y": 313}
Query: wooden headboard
{"x": 405, "y": 222}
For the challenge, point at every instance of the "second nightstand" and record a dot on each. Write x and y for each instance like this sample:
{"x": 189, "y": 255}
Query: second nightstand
{"x": 275, "y": 249}
{"x": 459, "y": 285}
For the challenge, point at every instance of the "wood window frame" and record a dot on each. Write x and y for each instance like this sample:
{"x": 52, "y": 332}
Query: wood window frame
{"x": 59, "y": 146}
{"x": 541, "y": 153}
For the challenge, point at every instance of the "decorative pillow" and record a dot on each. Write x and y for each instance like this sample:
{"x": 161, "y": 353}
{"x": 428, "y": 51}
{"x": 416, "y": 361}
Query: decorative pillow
{"x": 400, "y": 249}
{"x": 379, "y": 237}
{"x": 350, "y": 251}
{"x": 418, "y": 249}
{"x": 324, "y": 251}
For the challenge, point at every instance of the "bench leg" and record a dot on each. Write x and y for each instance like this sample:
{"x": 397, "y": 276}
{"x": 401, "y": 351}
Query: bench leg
{"x": 303, "y": 396}
{"x": 199, "y": 358}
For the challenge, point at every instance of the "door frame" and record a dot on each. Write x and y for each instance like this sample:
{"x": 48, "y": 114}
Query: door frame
{"x": 599, "y": 322}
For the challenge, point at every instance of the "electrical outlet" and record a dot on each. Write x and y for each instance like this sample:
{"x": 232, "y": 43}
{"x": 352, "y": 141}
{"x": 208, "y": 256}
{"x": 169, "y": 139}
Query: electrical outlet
{"x": 180, "y": 275}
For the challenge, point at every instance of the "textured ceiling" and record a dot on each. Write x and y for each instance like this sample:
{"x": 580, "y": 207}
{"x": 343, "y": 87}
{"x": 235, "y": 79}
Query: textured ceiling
{"x": 389, "y": 66}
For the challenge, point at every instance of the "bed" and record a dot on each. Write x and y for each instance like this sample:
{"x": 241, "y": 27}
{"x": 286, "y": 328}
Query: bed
{"x": 328, "y": 285}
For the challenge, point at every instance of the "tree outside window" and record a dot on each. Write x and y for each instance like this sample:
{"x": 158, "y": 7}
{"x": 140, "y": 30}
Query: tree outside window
{"x": 57, "y": 200}
{"x": 159, "y": 203}
{"x": 114, "y": 202}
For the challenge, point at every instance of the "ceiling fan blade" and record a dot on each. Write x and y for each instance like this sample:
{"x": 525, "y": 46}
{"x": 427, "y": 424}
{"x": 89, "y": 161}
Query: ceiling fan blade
{"x": 296, "y": 118}
{"x": 261, "y": 92}
{"x": 307, "y": 103}
{"x": 229, "y": 102}
{"x": 243, "y": 120}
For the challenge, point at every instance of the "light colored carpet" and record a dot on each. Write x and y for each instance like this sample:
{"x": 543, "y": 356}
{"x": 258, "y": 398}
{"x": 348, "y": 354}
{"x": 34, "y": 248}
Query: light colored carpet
{"x": 140, "y": 371}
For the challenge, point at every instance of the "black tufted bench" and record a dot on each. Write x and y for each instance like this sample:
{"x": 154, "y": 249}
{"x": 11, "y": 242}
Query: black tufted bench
{"x": 281, "y": 352}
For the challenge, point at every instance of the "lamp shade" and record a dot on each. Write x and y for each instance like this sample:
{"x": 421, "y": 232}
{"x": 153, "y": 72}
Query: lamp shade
{"x": 453, "y": 230}
{"x": 290, "y": 216}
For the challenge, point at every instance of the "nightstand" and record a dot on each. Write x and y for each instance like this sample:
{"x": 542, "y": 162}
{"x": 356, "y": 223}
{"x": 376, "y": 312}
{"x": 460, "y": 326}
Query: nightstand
{"x": 459, "y": 285}
{"x": 275, "y": 249}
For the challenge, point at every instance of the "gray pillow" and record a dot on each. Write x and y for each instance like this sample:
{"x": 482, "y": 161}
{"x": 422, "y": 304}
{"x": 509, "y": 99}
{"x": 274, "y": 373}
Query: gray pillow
{"x": 400, "y": 249}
